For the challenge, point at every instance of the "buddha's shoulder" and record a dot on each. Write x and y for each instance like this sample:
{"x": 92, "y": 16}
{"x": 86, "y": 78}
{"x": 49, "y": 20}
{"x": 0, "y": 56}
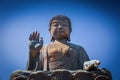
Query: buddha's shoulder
{"x": 75, "y": 46}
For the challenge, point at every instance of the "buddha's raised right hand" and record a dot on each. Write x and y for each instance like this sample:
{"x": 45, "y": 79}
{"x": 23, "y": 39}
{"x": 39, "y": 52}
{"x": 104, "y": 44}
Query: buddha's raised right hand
{"x": 35, "y": 43}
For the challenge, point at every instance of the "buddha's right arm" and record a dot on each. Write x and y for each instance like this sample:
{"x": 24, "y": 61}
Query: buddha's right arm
{"x": 32, "y": 62}
{"x": 35, "y": 44}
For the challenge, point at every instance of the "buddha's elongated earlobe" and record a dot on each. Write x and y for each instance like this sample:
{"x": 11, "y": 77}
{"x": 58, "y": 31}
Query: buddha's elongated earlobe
{"x": 51, "y": 37}
{"x": 68, "y": 38}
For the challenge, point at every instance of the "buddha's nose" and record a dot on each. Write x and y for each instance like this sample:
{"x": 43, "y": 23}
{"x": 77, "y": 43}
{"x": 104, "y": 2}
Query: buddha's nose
{"x": 59, "y": 26}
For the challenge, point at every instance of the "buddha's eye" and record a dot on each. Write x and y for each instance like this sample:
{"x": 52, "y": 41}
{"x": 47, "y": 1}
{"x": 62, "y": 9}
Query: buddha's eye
{"x": 64, "y": 25}
{"x": 56, "y": 25}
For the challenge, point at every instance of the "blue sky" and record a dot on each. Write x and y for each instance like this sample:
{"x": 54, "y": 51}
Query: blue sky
{"x": 95, "y": 26}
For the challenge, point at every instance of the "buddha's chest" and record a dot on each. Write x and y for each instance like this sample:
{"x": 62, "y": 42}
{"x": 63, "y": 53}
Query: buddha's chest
{"x": 59, "y": 52}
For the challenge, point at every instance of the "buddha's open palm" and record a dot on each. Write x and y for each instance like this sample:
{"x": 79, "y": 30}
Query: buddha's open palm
{"x": 35, "y": 43}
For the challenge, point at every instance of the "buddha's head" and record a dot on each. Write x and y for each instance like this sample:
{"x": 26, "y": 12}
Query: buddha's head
{"x": 60, "y": 28}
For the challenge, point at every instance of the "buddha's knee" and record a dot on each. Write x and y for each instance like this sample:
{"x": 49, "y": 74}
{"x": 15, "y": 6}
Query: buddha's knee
{"x": 19, "y": 75}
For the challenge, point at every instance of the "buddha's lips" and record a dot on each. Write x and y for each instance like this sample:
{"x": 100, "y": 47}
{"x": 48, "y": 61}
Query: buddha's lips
{"x": 60, "y": 31}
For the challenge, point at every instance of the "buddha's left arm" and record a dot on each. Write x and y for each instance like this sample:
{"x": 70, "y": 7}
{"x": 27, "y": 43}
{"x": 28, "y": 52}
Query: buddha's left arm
{"x": 82, "y": 57}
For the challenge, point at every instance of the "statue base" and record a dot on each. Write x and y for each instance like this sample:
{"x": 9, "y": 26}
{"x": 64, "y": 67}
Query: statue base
{"x": 62, "y": 74}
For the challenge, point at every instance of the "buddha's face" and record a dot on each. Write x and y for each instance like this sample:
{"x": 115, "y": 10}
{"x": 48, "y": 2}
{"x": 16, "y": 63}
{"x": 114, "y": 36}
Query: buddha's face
{"x": 60, "y": 29}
